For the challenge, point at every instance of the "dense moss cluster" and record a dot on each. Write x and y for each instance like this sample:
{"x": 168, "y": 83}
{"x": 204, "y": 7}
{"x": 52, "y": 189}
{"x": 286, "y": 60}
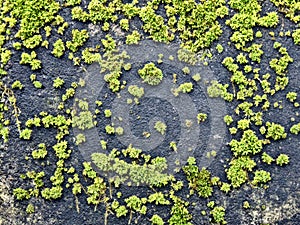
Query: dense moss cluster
{"x": 29, "y": 30}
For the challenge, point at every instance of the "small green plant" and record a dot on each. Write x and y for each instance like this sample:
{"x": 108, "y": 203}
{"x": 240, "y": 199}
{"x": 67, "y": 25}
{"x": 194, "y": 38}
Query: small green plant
{"x": 58, "y": 82}
{"x": 21, "y": 193}
{"x": 228, "y": 119}
{"x": 158, "y": 198}
{"x": 133, "y": 38}
{"x": 246, "y": 205}
{"x": 295, "y": 129}
{"x": 156, "y": 220}
{"x": 109, "y": 129}
{"x": 201, "y": 117}
{"x": 219, "y": 48}
{"x": 282, "y": 159}
{"x": 107, "y": 113}
{"x": 124, "y": 24}
{"x": 198, "y": 180}
{"x": 30, "y": 208}
{"x": 17, "y": 85}
{"x": 26, "y": 134}
{"x": 225, "y": 187}
{"x": 78, "y": 39}
{"x": 161, "y": 127}
{"x": 267, "y": 158}
{"x": 37, "y": 84}
{"x": 186, "y": 70}
{"x": 291, "y": 96}
{"x": 179, "y": 212}
{"x": 40, "y": 153}
{"x": 185, "y": 87}
{"x": 296, "y": 36}
{"x": 261, "y": 177}
{"x": 196, "y": 77}
{"x": 218, "y": 214}
{"x": 80, "y": 138}
{"x": 136, "y": 91}
{"x": 173, "y": 145}
{"x": 58, "y": 48}
{"x": 151, "y": 74}
{"x": 275, "y": 131}
{"x": 249, "y": 144}
{"x": 119, "y": 131}
{"x": 243, "y": 124}
{"x": 31, "y": 60}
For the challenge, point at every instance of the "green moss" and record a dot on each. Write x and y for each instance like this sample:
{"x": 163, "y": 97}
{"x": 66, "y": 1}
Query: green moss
{"x": 136, "y": 91}
{"x": 37, "y": 84}
{"x": 41, "y": 152}
{"x": 179, "y": 212}
{"x": 198, "y": 180}
{"x": 31, "y": 60}
{"x": 237, "y": 173}
{"x": 52, "y": 193}
{"x": 26, "y": 134}
{"x": 295, "y": 129}
{"x": 151, "y": 74}
{"x": 107, "y": 113}
{"x": 17, "y": 85}
{"x": 33, "y": 42}
{"x": 291, "y": 96}
{"x": 218, "y": 214}
{"x": 80, "y": 138}
{"x": 133, "y": 38}
{"x": 58, "y": 48}
{"x": 228, "y": 119}
{"x": 109, "y": 129}
{"x": 21, "y": 193}
{"x": 156, "y": 220}
{"x": 27, "y": 15}
{"x": 261, "y": 177}
{"x": 267, "y": 158}
{"x": 219, "y": 48}
{"x": 83, "y": 121}
{"x": 196, "y": 77}
{"x": 119, "y": 131}
{"x": 30, "y": 208}
{"x": 78, "y": 39}
{"x": 275, "y": 131}
{"x": 185, "y": 87}
{"x": 296, "y": 36}
{"x": 160, "y": 127}
{"x": 282, "y": 159}
{"x": 201, "y": 117}
{"x": 249, "y": 144}
{"x": 58, "y": 82}
{"x": 96, "y": 191}
{"x": 225, "y": 187}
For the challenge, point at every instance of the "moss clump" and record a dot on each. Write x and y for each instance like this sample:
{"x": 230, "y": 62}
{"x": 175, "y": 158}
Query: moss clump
{"x": 237, "y": 173}
{"x": 261, "y": 177}
{"x": 78, "y": 39}
{"x": 282, "y": 159}
{"x": 151, "y": 74}
{"x": 218, "y": 215}
{"x": 41, "y": 152}
{"x": 275, "y": 131}
{"x": 160, "y": 127}
{"x": 58, "y": 82}
{"x": 185, "y": 87}
{"x": 248, "y": 145}
{"x": 136, "y": 91}
{"x": 198, "y": 180}
{"x": 58, "y": 48}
